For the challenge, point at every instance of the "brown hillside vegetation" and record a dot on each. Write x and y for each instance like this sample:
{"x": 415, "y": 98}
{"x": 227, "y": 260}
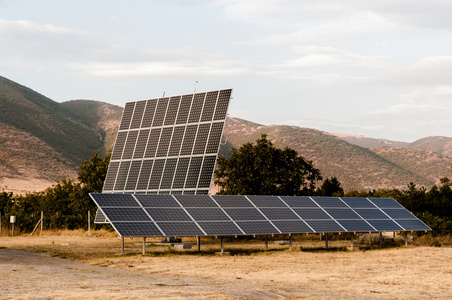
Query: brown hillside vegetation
{"x": 354, "y": 166}
{"x": 28, "y": 163}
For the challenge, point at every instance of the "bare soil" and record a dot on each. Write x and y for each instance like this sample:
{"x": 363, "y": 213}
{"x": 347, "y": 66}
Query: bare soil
{"x": 34, "y": 268}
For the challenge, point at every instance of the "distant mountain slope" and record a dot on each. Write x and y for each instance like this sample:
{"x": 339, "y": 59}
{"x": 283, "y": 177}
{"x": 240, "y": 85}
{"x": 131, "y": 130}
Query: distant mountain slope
{"x": 31, "y": 112}
{"x": 103, "y": 117}
{"x": 438, "y": 144}
{"x": 354, "y": 166}
{"x": 367, "y": 142}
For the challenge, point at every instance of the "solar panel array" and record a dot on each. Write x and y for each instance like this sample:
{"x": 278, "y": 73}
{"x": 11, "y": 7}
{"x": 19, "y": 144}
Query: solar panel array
{"x": 206, "y": 215}
{"x": 168, "y": 145}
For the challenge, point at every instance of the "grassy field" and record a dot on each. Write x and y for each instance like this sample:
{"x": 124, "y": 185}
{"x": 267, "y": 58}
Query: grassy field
{"x": 308, "y": 270}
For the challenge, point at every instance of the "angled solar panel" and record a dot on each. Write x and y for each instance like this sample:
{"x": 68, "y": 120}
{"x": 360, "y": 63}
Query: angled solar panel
{"x": 206, "y": 215}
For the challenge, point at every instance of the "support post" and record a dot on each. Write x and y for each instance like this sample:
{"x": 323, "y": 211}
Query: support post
{"x": 198, "y": 242}
{"x": 351, "y": 240}
{"x": 406, "y": 238}
{"x": 266, "y": 242}
{"x": 89, "y": 222}
{"x": 326, "y": 240}
{"x": 0, "y": 223}
{"x": 290, "y": 241}
{"x": 222, "y": 245}
{"x": 381, "y": 239}
{"x": 13, "y": 231}
{"x": 122, "y": 245}
{"x": 144, "y": 245}
{"x": 42, "y": 219}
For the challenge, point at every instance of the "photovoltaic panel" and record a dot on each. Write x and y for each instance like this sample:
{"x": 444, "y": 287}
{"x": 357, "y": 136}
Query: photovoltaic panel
{"x": 196, "y": 215}
{"x": 176, "y": 141}
{"x": 137, "y": 229}
{"x": 232, "y": 201}
{"x": 213, "y": 143}
{"x": 220, "y": 228}
{"x": 201, "y": 139}
{"x": 153, "y": 142}
{"x": 244, "y": 214}
{"x": 149, "y": 113}
{"x": 127, "y": 115}
{"x": 358, "y": 202}
{"x": 257, "y": 227}
{"x": 168, "y": 214}
{"x": 209, "y": 106}
{"x": 173, "y": 108}
{"x": 386, "y": 203}
{"x": 385, "y": 225}
{"x": 329, "y": 202}
{"x": 196, "y": 108}
{"x": 164, "y": 142}
{"x": 168, "y": 173}
{"x": 119, "y": 145}
{"x": 145, "y": 173}
{"x": 189, "y": 140}
{"x": 193, "y": 172}
{"x": 110, "y": 178}
{"x": 141, "y": 144}
{"x": 160, "y": 112}
{"x": 138, "y": 114}
{"x": 184, "y": 109}
{"x": 130, "y": 145}
{"x": 134, "y": 171}
{"x": 157, "y": 171}
{"x": 298, "y": 201}
{"x": 181, "y": 173}
{"x": 122, "y": 175}
{"x": 266, "y": 201}
{"x": 399, "y": 213}
{"x": 222, "y": 105}
{"x": 208, "y": 166}
{"x": 291, "y": 226}
{"x": 180, "y": 228}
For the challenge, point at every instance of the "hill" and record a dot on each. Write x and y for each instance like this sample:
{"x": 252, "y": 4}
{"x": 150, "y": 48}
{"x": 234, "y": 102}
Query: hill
{"x": 355, "y": 167}
{"x": 41, "y": 140}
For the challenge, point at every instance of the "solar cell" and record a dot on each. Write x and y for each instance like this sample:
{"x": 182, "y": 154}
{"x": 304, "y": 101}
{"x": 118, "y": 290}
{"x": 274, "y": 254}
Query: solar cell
{"x": 220, "y": 228}
{"x": 125, "y": 214}
{"x": 165, "y": 139}
{"x": 257, "y": 227}
{"x": 196, "y": 108}
{"x": 201, "y": 139}
{"x": 112, "y": 200}
{"x": 127, "y": 116}
{"x": 180, "y": 229}
{"x": 279, "y": 213}
{"x": 358, "y": 202}
{"x": 385, "y": 225}
{"x": 184, "y": 109}
{"x": 130, "y": 145}
{"x": 329, "y": 202}
{"x": 193, "y": 172}
{"x": 356, "y": 225}
{"x": 138, "y": 114}
{"x": 232, "y": 201}
{"x": 137, "y": 229}
{"x": 266, "y": 201}
{"x": 181, "y": 172}
{"x": 119, "y": 145}
{"x": 143, "y": 179}
{"x": 222, "y": 104}
{"x": 207, "y": 169}
{"x": 291, "y": 226}
{"x": 369, "y": 213}
{"x": 156, "y": 175}
{"x": 133, "y": 175}
{"x": 154, "y": 137}
{"x": 176, "y": 141}
{"x": 342, "y": 214}
{"x": 208, "y": 214}
{"x": 214, "y": 138}
{"x": 413, "y": 225}
{"x": 122, "y": 175}
{"x": 385, "y": 203}
{"x": 325, "y": 226}
{"x": 149, "y": 113}
{"x": 168, "y": 214}
{"x": 150, "y": 200}
{"x": 173, "y": 107}
{"x": 142, "y": 141}
{"x": 189, "y": 140}
{"x": 298, "y": 201}
{"x": 311, "y": 213}
{"x": 110, "y": 178}
{"x": 209, "y": 106}
{"x": 195, "y": 201}
{"x": 244, "y": 214}
{"x": 160, "y": 112}
{"x": 399, "y": 213}
{"x": 168, "y": 173}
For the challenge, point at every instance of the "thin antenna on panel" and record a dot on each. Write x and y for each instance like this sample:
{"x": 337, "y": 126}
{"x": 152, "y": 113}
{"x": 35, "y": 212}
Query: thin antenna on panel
{"x": 196, "y": 87}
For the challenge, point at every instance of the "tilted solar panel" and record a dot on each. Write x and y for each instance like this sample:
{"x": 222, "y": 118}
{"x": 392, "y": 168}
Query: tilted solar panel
{"x": 206, "y": 215}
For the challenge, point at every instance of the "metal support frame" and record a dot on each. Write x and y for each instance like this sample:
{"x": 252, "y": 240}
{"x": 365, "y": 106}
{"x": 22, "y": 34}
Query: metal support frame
{"x": 351, "y": 241}
{"x": 381, "y": 239}
{"x": 89, "y": 222}
{"x": 290, "y": 241}
{"x": 42, "y": 220}
{"x": 222, "y": 245}
{"x": 144, "y": 245}
{"x": 406, "y": 238}
{"x": 122, "y": 245}
{"x": 326, "y": 240}
{"x": 266, "y": 242}
{"x": 198, "y": 242}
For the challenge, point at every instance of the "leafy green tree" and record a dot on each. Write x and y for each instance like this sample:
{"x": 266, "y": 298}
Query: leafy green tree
{"x": 93, "y": 171}
{"x": 331, "y": 187}
{"x": 262, "y": 169}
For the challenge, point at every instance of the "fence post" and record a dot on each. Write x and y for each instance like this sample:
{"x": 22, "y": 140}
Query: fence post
{"x": 42, "y": 219}
{"x": 89, "y": 222}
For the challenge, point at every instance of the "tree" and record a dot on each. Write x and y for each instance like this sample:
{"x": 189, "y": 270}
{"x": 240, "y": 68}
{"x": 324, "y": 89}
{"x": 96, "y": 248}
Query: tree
{"x": 93, "y": 171}
{"x": 262, "y": 169}
{"x": 331, "y": 187}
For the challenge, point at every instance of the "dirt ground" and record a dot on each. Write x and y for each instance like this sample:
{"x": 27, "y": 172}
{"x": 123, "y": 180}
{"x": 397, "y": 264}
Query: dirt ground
{"x": 249, "y": 273}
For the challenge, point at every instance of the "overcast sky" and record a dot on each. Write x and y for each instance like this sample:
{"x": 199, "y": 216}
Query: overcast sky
{"x": 381, "y": 69}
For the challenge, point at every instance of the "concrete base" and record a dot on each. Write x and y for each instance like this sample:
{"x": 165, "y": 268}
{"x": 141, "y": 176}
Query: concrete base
{"x": 223, "y": 253}
{"x": 183, "y": 246}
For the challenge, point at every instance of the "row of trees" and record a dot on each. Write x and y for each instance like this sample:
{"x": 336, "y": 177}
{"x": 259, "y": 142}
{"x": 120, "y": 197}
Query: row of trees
{"x": 259, "y": 169}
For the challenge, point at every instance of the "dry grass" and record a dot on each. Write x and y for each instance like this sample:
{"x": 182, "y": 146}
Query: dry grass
{"x": 395, "y": 272}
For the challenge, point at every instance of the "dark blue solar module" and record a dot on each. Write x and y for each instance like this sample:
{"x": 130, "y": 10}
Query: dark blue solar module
{"x": 386, "y": 203}
{"x": 201, "y": 215}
